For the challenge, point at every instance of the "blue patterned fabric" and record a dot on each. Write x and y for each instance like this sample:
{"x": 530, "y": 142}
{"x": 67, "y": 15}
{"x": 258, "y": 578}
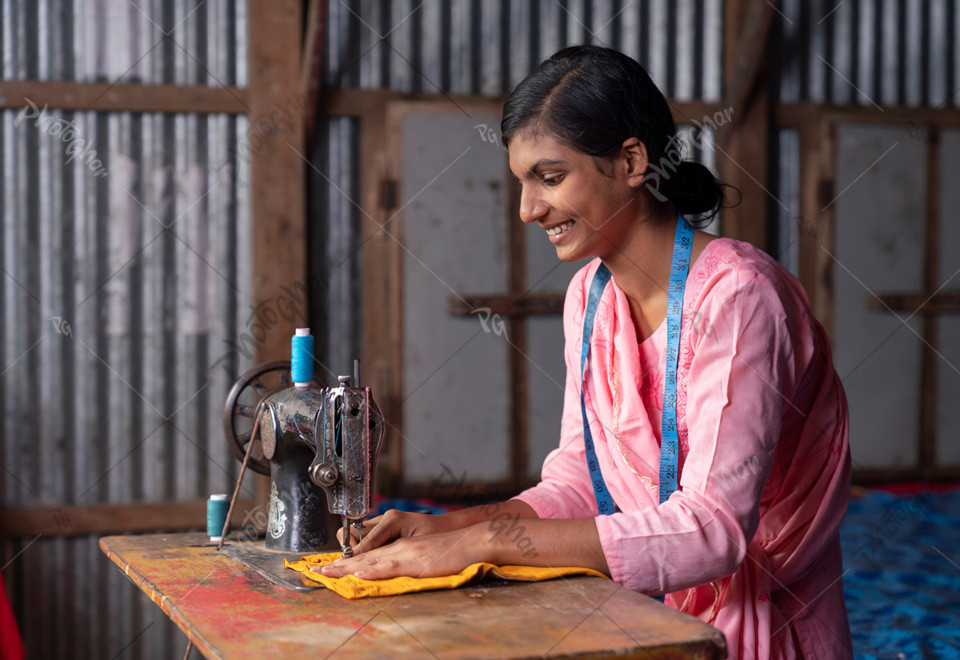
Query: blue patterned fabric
{"x": 902, "y": 586}
{"x": 901, "y": 554}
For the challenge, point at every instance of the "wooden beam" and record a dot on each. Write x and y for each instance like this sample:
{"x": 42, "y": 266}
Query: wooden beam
{"x": 900, "y": 475}
{"x": 517, "y": 339}
{"x": 742, "y": 162}
{"x": 943, "y": 302}
{"x": 278, "y": 190}
{"x": 510, "y": 305}
{"x": 380, "y": 320}
{"x": 364, "y": 103}
{"x": 311, "y": 69}
{"x": 797, "y": 114}
{"x": 98, "y": 519}
{"x": 102, "y": 97}
{"x": 747, "y": 66}
{"x": 276, "y": 168}
{"x": 930, "y": 355}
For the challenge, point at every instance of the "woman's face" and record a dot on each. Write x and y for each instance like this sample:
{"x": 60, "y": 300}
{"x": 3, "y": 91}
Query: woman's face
{"x": 585, "y": 212}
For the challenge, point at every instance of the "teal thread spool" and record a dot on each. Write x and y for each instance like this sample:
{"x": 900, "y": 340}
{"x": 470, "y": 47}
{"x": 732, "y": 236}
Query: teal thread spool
{"x": 301, "y": 357}
{"x": 217, "y": 507}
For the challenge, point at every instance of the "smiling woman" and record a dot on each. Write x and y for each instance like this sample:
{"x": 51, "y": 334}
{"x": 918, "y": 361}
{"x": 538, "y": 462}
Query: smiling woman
{"x": 703, "y": 450}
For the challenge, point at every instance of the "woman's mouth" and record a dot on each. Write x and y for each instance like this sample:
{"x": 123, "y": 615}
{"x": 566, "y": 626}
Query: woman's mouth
{"x": 557, "y": 233}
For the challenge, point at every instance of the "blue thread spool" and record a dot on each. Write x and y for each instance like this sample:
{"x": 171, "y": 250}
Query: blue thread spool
{"x": 217, "y": 507}
{"x": 301, "y": 357}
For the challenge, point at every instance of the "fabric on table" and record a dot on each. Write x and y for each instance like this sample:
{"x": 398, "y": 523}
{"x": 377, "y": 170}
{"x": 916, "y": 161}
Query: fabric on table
{"x": 350, "y": 586}
{"x": 749, "y": 541}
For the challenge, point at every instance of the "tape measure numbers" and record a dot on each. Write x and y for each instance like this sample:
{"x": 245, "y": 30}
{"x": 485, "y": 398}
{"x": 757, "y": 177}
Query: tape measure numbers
{"x": 680, "y": 264}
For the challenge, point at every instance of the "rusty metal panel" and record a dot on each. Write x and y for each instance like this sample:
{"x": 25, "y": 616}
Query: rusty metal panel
{"x": 868, "y": 52}
{"x": 124, "y": 290}
{"x": 488, "y": 46}
{"x": 125, "y": 318}
{"x": 481, "y": 47}
{"x": 182, "y": 42}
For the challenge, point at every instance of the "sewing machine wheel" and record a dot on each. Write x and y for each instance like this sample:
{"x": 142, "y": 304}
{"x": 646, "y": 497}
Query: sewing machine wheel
{"x": 240, "y": 409}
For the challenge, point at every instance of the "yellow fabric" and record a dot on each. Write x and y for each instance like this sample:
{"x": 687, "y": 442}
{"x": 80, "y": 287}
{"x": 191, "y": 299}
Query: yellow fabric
{"x": 350, "y": 586}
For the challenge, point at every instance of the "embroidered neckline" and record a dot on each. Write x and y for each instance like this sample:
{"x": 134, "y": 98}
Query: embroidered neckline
{"x": 621, "y": 447}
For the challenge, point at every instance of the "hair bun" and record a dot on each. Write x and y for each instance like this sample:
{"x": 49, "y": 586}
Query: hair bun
{"x": 693, "y": 189}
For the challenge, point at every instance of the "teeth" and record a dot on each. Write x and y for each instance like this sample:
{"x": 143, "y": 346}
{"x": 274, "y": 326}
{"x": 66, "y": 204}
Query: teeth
{"x": 559, "y": 229}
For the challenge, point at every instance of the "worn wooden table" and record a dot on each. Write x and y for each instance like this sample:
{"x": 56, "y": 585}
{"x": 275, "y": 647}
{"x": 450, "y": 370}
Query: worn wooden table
{"x": 230, "y": 611}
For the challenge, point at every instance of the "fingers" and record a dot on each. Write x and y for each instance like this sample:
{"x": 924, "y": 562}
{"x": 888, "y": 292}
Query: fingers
{"x": 365, "y": 568}
{"x": 355, "y": 534}
{"x": 392, "y": 525}
{"x": 386, "y": 528}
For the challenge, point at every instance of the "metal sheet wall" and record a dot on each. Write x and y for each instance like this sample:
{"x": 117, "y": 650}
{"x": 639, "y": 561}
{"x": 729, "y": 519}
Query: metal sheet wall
{"x": 487, "y": 46}
{"x": 869, "y": 52}
{"x": 473, "y": 47}
{"x": 874, "y": 53}
{"x": 124, "y": 294}
{"x": 153, "y": 42}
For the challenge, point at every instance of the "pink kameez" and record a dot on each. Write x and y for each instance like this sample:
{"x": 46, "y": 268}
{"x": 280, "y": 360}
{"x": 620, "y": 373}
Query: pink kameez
{"x": 749, "y": 541}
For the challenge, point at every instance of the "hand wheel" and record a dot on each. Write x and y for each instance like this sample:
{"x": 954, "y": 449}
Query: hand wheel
{"x": 241, "y": 409}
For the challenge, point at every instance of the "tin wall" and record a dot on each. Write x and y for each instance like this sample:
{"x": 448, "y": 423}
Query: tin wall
{"x": 473, "y": 47}
{"x": 124, "y": 288}
{"x": 873, "y": 53}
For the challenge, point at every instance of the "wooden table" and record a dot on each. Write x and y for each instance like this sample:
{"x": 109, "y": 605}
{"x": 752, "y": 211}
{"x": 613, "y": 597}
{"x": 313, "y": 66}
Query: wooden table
{"x": 230, "y": 611}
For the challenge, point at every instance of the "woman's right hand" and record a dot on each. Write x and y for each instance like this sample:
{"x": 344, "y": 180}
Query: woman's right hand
{"x": 394, "y": 524}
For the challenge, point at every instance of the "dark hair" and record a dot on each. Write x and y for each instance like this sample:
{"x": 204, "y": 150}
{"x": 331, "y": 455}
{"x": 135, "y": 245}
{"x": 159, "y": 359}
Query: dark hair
{"x": 593, "y": 99}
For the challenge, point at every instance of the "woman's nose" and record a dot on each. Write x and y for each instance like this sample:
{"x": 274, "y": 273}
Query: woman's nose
{"x": 532, "y": 207}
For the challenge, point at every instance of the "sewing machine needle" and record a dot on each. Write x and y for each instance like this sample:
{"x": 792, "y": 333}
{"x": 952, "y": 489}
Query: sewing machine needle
{"x": 347, "y": 549}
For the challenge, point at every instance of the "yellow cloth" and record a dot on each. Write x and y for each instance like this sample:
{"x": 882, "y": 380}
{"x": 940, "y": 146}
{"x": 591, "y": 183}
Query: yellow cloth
{"x": 350, "y": 586}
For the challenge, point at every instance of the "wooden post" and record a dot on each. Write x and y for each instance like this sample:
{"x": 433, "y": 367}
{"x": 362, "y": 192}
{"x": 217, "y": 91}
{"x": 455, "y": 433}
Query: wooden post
{"x": 276, "y": 168}
{"x": 742, "y": 152}
{"x": 927, "y": 449}
{"x": 277, "y": 191}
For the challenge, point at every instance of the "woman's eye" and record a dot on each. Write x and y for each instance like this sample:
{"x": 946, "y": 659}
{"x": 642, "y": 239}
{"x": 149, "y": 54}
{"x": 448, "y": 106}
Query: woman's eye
{"x": 552, "y": 180}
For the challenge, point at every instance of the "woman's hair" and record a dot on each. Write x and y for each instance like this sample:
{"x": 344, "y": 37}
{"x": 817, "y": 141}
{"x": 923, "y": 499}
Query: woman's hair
{"x": 593, "y": 99}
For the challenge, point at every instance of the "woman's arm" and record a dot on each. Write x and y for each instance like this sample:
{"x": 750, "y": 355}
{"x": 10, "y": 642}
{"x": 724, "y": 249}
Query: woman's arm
{"x": 506, "y": 533}
{"x": 396, "y": 524}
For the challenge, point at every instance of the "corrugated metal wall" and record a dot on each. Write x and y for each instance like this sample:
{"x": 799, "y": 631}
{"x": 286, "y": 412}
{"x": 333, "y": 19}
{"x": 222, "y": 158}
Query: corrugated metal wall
{"x": 147, "y": 266}
{"x": 874, "y": 53}
{"x": 488, "y": 46}
{"x": 869, "y": 52}
{"x": 473, "y": 47}
{"x": 124, "y": 295}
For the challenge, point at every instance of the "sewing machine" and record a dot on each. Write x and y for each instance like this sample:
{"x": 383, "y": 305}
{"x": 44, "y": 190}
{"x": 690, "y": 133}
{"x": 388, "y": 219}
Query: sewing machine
{"x": 320, "y": 447}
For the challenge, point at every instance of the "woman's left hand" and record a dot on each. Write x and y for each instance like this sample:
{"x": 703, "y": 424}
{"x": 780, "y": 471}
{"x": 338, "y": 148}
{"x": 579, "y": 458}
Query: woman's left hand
{"x": 429, "y": 555}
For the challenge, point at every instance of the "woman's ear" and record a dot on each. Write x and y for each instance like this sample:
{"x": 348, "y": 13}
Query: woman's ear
{"x": 635, "y": 161}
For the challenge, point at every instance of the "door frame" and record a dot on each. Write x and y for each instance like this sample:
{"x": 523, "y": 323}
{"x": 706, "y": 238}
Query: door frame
{"x": 817, "y": 127}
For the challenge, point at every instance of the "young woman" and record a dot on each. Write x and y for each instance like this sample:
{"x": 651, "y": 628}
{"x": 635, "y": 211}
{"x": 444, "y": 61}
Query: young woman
{"x": 713, "y": 466}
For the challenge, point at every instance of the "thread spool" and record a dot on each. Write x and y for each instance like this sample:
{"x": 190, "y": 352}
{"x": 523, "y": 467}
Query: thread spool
{"x": 217, "y": 507}
{"x": 301, "y": 357}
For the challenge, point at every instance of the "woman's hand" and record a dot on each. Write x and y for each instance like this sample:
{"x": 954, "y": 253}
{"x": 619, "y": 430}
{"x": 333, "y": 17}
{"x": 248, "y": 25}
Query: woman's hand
{"x": 396, "y": 524}
{"x": 417, "y": 554}
{"x": 507, "y": 538}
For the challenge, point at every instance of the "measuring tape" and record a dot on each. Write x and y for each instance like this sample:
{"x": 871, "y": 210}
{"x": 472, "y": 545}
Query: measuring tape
{"x": 680, "y": 264}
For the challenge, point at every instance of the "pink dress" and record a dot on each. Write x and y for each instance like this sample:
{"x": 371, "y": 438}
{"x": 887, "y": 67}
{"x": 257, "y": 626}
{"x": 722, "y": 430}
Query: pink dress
{"x": 749, "y": 541}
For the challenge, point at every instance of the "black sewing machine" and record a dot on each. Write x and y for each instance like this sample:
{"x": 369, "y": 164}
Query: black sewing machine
{"x": 320, "y": 447}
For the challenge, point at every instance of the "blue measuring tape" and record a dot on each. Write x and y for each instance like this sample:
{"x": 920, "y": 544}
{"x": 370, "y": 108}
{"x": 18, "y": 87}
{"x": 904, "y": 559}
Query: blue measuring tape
{"x": 604, "y": 499}
{"x": 680, "y": 264}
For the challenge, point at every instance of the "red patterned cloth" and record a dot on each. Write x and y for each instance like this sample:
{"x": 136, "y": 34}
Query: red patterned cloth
{"x": 11, "y": 647}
